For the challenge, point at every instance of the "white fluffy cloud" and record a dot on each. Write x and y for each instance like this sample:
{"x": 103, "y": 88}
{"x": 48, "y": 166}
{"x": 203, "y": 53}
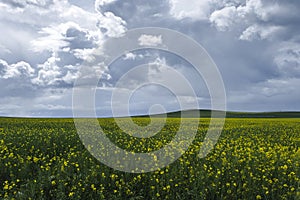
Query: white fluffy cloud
{"x": 99, "y": 3}
{"x": 150, "y": 40}
{"x": 57, "y": 38}
{"x": 246, "y": 10}
{"x": 17, "y": 70}
{"x": 111, "y": 25}
{"x": 48, "y": 73}
{"x": 53, "y": 39}
{"x": 54, "y": 27}
{"x": 261, "y": 32}
{"x": 224, "y": 18}
{"x": 72, "y": 37}
{"x": 196, "y": 10}
{"x": 249, "y": 17}
{"x": 64, "y": 41}
{"x": 129, "y": 56}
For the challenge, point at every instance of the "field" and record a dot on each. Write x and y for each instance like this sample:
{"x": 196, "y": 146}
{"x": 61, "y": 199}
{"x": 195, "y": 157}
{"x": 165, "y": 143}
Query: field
{"x": 253, "y": 159}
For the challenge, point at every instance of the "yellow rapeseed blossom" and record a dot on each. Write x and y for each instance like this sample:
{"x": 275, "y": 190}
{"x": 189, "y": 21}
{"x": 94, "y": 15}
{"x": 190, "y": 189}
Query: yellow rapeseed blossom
{"x": 253, "y": 158}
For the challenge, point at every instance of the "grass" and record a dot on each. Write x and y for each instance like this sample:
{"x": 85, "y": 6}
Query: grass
{"x": 253, "y": 159}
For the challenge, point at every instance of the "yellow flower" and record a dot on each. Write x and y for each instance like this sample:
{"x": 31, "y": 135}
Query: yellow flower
{"x": 71, "y": 194}
{"x": 93, "y": 187}
{"x": 35, "y": 159}
{"x": 270, "y": 181}
{"x": 113, "y": 176}
{"x": 5, "y": 187}
{"x": 284, "y": 167}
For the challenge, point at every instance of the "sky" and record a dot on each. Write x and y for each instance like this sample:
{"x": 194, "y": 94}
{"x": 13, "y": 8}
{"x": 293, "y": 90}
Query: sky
{"x": 255, "y": 44}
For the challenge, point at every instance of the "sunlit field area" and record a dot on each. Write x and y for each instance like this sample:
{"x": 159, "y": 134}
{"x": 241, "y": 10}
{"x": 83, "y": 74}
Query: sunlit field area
{"x": 253, "y": 159}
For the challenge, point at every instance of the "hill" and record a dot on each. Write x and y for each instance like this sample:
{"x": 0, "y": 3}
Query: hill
{"x": 230, "y": 114}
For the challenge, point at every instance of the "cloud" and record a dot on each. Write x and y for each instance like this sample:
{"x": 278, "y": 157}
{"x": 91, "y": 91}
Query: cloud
{"x": 32, "y": 12}
{"x": 49, "y": 28}
{"x": 224, "y": 18}
{"x": 70, "y": 77}
{"x": 48, "y": 73}
{"x": 25, "y": 3}
{"x": 274, "y": 87}
{"x": 86, "y": 54}
{"x": 43, "y": 43}
{"x": 273, "y": 94}
{"x": 137, "y": 13}
{"x": 161, "y": 70}
{"x": 99, "y": 3}
{"x": 17, "y": 70}
{"x": 252, "y": 19}
{"x": 53, "y": 73}
{"x": 129, "y": 56}
{"x": 53, "y": 39}
{"x": 196, "y": 10}
{"x": 48, "y": 40}
{"x": 56, "y": 38}
{"x": 288, "y": 59}
{"x": 111, "y": 25}
{"x": 41, "y": 103}
{"x": 150, "y": 40}
{"x": 261, "y": 32}
{"x": 70, "y": 45}
{"x": 4, "y": 50}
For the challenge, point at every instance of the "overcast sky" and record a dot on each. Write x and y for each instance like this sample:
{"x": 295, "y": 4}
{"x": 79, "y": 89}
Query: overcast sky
{"x": 255, "y": 45}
